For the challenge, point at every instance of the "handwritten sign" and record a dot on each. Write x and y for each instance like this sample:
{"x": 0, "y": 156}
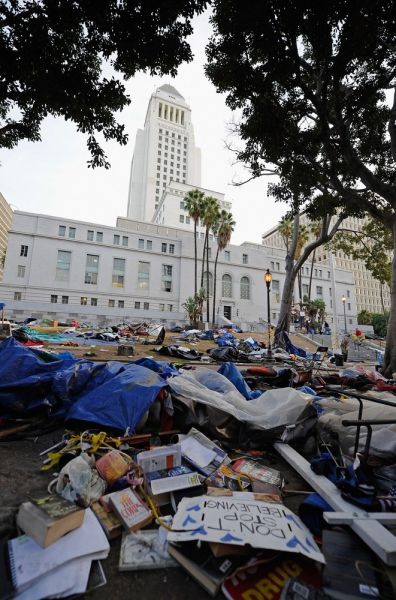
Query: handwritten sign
{"x": 242, "y": 519}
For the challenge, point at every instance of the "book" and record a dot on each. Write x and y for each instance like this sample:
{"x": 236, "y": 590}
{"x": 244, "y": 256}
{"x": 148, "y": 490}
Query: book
{"x": 29, "y": 562}
{"x": 206, "y": 569}
{"x": 130, "y": 509}
{"x": 48, "y": 519}
{"x": 203, "y": 454}
{"x": 163, "y": 457}
{"x": 267, "y": 574}
{"x": 162, "y": 498}
{"x": 110, "y": 523}
{"x": 143, "y": 550}
{"x": 256, "y": 470}
{"x": 171, "y": 484}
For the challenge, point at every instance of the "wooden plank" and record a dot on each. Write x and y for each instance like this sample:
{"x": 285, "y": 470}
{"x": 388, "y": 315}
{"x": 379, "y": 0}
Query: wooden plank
{"x": 341, "y": 518}
{"x": 377, "y": 537}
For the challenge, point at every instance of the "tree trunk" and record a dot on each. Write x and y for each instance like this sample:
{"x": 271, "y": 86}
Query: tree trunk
{"x": 390, "y": 350}
{"x": 286, "y": 302}
{"x": 207, "y": 281}
{"x": 214, "y": 286}
{"x": 382, "y": 297}
{"x": 311, "y": 274}
{"x": 195, "y": 259}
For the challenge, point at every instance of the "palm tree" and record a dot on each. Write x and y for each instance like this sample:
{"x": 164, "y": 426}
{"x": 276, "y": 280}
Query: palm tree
{"x": 285, "y": 229}
{"x": 193, "y": 205}
{"x": 223, "y": 229}
{"x": 210, "y": 215}
{"x": 316, "y": 230}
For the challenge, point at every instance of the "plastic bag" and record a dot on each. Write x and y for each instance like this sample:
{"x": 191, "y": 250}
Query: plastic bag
{"x": 79, "y": 482}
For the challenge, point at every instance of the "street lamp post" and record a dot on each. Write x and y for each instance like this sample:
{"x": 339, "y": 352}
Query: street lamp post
{"x": 345, "y": 323}
{"x": 268, "y": 280}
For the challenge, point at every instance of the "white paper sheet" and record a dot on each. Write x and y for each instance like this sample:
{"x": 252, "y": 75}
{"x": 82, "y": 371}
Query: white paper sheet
{"x": 196, "y": 452}
{"x": 29, "y": 561}
{"x": 71, "y": 578}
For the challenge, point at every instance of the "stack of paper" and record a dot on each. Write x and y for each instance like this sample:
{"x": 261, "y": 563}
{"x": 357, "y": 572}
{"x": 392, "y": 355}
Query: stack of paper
{"x": 62, "y": 568}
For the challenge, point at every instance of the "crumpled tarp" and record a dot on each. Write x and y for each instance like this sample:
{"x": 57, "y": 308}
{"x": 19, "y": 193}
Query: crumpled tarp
{"x": 233, "y": 374}
{"x": 114, "y": 395}
{"x": 273, "y": 408}
{"x": 37, "y": 336}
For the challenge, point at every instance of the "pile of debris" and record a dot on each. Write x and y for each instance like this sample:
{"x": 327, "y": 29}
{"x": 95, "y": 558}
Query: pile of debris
{"x": 177, "y": 464}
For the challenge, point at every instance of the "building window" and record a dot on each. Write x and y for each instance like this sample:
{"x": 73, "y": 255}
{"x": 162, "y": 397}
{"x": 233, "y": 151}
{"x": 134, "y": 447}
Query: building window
{"x": 149, "y": 245}
{"x": 94, "y": 302}
{"x": 72, "y": 232}
{"x": 116, "y": 239}
{"x": 99, "y": 236}
{"x": 226, "y": 284}
{"x": 188, "y": 220}
{"x": 146, "y": 305}
{"x": 91, "y": 269}
{"x": 63, "y": 266}
{"x": 125, "y": 240}
{"x": 21, "y": 270}
{"x": 54, "y": 298}
{"x": 348, "y": 294}
{"x": 167, "y": 278}
{"x": 305, "y": 289}
{"x": 143, "y": 275}
{"x": 164, "y": 247}
{"x": 24, "y": 250}
{"x": 111, "y": 303}
{"x": 209, "y": 252}
{"x": 120, "y": 303}
{"x": 83, "y": 301}
{"x": 272, "y": 265}
{"x": 181, "y": 205}
{"x": 181, "y": 218}
{"x": 319, "y": 290}
{"x": 90, "y": 235}
{"x": 170, "y": 307}
{"x": 245, "y": 288}
{"x": 328, "y": 274}
{"x": 227, "y": 255}
{"x": 160, "y": 110}
{"x": 65, "y": 299}
{"x": 141, "y": 244}
{"x": 17, "y": 295}
{"x": 137, "y": 305}
{"x": 162, "y": 307}
{"x": 349, "y": 306}
{"x": 62, "y": 230}
{"x": 118, "y": 272}
{"x": 171, "y": 248}
{"x": 244, "y": 259}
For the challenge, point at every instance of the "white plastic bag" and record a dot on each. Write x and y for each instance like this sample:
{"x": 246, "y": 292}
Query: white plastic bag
{"x": 79, "y": 482}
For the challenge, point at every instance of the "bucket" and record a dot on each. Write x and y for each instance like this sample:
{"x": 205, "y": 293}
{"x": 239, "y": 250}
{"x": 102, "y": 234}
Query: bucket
{"x": 112, "y": 466}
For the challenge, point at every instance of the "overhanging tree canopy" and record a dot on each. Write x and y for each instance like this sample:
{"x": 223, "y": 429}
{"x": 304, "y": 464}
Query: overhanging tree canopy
{"x": 52, "y": 54}
{"x": 310, "y": 80}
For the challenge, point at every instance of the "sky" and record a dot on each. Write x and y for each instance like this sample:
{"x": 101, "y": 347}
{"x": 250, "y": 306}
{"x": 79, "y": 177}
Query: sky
{"x": 52, "y": 177}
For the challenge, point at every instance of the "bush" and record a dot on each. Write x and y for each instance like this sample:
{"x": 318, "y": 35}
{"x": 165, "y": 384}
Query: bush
{"x": 380, "y": 323}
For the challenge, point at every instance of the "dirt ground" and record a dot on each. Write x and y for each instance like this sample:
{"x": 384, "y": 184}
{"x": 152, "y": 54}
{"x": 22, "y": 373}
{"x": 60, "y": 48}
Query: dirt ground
{"x": 109, "y": 352}
{"x": 20, "y": 477}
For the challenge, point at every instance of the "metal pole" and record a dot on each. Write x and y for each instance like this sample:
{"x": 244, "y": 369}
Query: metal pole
{"x": 345, "y": 323}
{"x": 269, "y": 353}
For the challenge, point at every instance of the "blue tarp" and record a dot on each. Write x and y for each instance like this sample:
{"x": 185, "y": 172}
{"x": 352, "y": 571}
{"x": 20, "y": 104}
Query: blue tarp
{"x": 113, "y": 394}
{"x": 233, "y": 374}
{"x": 226, "y": 339}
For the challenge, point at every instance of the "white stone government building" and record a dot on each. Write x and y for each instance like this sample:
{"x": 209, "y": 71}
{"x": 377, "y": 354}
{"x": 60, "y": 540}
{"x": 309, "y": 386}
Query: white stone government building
{"x": 143, "y": 268}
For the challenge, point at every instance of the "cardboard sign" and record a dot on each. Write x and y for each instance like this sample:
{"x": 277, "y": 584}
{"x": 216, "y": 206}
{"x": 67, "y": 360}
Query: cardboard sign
{"x": 242, "y": 519}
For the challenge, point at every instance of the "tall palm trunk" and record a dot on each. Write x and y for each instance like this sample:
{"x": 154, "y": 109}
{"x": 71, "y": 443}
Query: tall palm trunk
{"x": 215, "y": 285}
{"x": 311, "y": 274}
{"x": 207, "y": 281}
{"x": 195, "y": 258}
{"x": 203, "y": 259}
